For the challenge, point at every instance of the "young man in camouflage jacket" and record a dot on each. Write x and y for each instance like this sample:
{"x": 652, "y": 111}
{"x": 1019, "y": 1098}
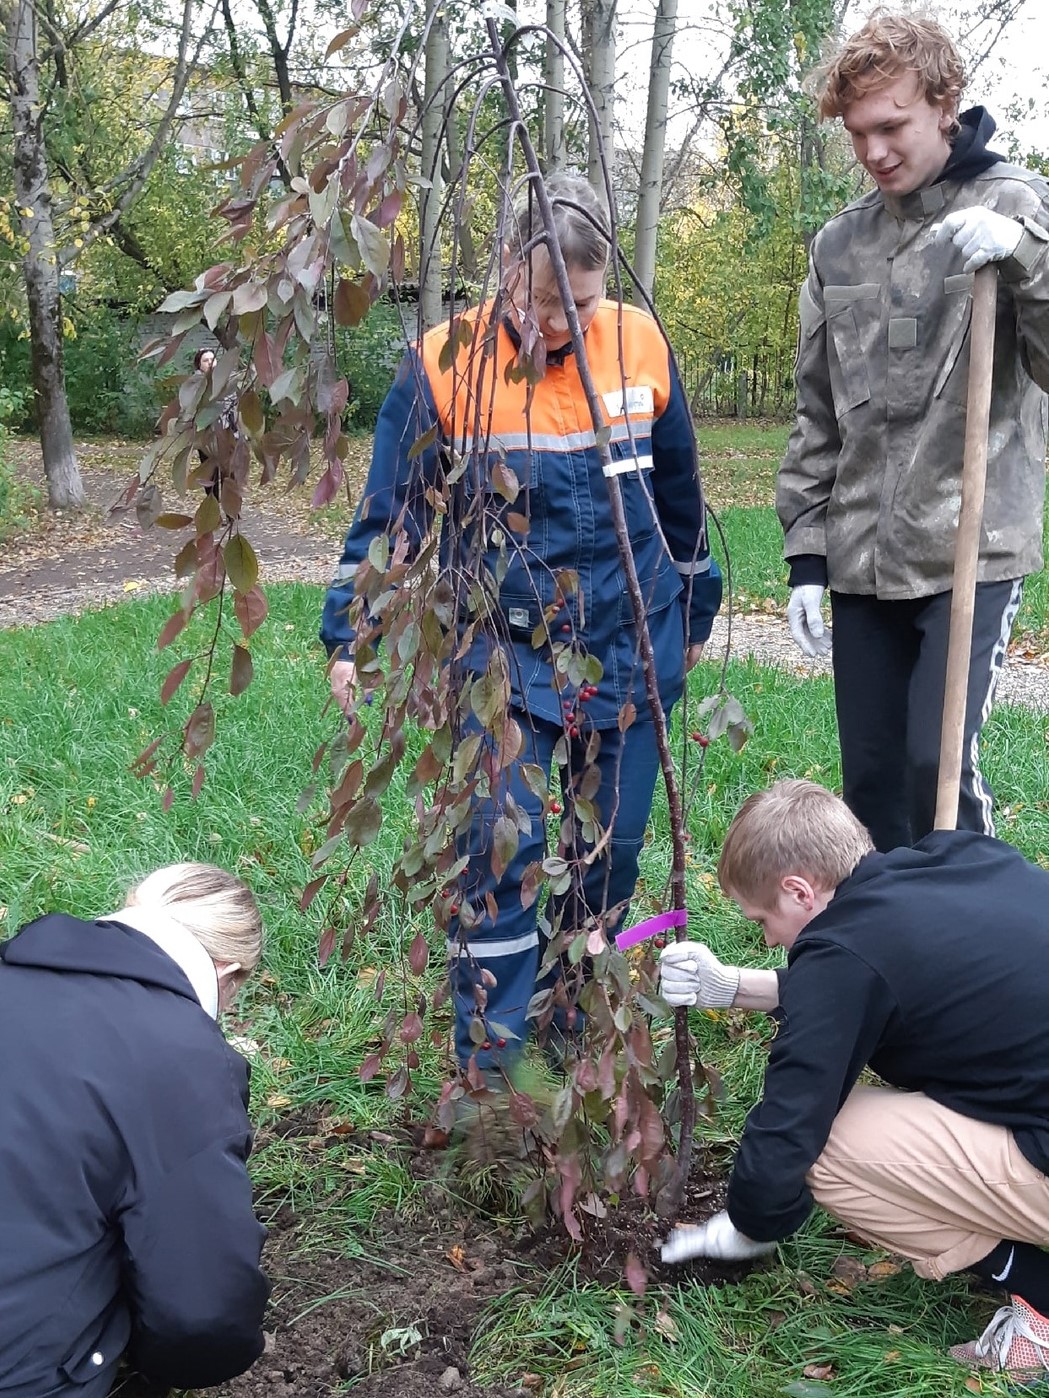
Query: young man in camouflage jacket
{"x": 869, "y": 491}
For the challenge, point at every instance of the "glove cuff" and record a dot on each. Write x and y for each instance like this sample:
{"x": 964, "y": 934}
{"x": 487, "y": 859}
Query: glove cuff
{"x": 722, "y": 986}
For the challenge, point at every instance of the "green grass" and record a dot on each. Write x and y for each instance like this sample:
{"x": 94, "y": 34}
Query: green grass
{"x": 78, "y": 700}
{"x": 739, "y": 463}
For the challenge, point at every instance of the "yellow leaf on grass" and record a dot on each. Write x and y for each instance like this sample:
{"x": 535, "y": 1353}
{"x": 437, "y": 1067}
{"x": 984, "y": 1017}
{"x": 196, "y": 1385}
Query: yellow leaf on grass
{"x": 132, "y": 585}
{"x": 278, "y": 1099}
{"x": 877, "y": 1270}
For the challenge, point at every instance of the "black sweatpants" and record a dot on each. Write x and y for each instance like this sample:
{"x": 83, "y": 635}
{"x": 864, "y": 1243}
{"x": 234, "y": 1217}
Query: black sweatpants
{"x": 890, "y": 665}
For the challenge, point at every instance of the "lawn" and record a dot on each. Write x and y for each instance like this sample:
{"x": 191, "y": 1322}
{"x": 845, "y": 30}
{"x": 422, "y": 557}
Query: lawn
{"x": 338, "y": 1171}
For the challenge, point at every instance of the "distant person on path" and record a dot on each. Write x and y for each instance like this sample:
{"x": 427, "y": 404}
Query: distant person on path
{"x": 546, "y": 437}
{"x": 869, "y": 491}
{"x": 126, "y": 1220}
{"x": 929, "y": 964}
{"x": 204, "y": 363}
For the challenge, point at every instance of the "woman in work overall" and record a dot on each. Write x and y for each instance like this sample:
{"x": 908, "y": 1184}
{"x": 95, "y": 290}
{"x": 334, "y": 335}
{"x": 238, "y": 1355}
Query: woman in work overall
{"x": 563, "y": 586}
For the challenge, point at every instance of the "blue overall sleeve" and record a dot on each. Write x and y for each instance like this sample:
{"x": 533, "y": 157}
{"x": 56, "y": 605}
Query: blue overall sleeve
{"x": 678, "y": 495}
{"x": 395, "y": 493}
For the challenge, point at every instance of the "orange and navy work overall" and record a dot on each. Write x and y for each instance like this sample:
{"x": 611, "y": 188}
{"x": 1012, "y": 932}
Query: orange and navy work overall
{"x": 486, "y": 420}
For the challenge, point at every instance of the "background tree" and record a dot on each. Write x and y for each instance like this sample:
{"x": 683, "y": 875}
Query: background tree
{"x": 41, "y": 55}
{"x": 646, "y": 227}
{"x": 599, "y": 52}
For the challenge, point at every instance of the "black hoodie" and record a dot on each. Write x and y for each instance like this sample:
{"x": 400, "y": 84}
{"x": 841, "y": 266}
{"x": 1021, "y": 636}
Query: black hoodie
{"x": 126, "y": 1218}
{"x": 930, "y": 964}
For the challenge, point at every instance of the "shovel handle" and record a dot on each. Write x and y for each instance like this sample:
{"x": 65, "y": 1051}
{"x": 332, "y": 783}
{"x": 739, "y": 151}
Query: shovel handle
{"x": 967, "y": 544}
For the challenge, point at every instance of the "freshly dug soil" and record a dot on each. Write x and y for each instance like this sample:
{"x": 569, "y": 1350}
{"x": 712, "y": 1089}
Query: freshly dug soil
{"x": 395, "y": 1314}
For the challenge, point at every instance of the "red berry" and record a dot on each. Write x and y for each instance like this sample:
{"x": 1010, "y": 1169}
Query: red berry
{"x": 701, "y": 739}
{"x": 566, "y": 626}
{"x": 454, "y": 909}
{"x": 500, "y": 1043}
{"x": 659, "y": 943}
{"x": 555, "y": 807}
{"x": 573, "y": 732}
{"x": 486, "y": 1044}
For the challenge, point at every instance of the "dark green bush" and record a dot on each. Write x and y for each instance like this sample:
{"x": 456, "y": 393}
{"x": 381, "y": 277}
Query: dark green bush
{"x": 368, "y": 354}
{"x": 108, "y": 390}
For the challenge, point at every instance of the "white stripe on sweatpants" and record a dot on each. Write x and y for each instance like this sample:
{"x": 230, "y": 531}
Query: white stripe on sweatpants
{"x": 980, "y": 790}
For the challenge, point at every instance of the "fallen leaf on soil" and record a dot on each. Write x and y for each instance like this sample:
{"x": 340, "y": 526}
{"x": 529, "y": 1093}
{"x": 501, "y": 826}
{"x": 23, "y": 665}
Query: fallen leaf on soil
{"x": 877, "y": 1270}
{"x": 821, "y": 1372}
{"x": 335, "y": 1126}
{"x": 434, "y": 1138}
{"x": 664, "y": 1324}
{"x": 531, "y": 1381}
{"x": 457, "y": 1257}
{"x": 806, "y": 1285}
{"x": 849, "y": 1272}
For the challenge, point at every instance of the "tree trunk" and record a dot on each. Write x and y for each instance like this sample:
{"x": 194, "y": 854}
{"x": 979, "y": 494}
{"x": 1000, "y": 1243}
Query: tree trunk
{"x": 433, "y": 115}
{"x": 40, "y": 263}
{"x": 649, "y": 198}
{"x": 554, "y": 80}
{"x": 599, "y": 38}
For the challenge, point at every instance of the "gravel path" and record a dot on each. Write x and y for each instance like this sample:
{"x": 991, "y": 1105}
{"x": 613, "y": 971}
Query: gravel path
{"x": 767, "y": 640}
{"x": 79, "y": 564}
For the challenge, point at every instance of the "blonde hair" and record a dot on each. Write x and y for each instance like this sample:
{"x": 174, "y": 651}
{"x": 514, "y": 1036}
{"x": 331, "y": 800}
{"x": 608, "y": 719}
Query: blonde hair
{"x": 888, "y": 47}
{"x": 215, "y": 906}
{"x": 580, "y": 222}
{"x": 793, "y": 827}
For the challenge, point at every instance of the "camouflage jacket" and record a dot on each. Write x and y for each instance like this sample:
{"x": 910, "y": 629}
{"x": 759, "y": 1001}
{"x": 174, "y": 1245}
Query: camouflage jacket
{"x": 872, "y": 475}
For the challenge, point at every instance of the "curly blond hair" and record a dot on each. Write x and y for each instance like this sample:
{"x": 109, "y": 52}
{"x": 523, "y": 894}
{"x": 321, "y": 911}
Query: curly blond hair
{"x": 887, "y": 47}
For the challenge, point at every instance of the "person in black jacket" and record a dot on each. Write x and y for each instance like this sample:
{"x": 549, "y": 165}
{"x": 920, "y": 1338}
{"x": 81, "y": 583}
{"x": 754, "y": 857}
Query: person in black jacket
{"x": 126, "y": 1220}
{"x": 890, "y": 963}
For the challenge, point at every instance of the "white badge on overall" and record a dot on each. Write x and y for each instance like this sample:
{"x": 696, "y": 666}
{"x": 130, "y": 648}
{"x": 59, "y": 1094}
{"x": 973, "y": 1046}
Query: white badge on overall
{"x": 637, "y": 401}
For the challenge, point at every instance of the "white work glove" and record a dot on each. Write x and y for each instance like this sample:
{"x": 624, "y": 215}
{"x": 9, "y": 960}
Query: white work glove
{"x": 690, "y": 974}
{"x": 806, "y": 621}
{"x": 718, "y": 1238}
{"x": 982, "y": 236}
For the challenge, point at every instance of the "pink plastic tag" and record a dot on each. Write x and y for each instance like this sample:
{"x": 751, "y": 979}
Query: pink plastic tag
{"x": 641, "y": 931}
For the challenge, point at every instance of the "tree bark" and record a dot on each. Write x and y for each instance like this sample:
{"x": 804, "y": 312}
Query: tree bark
{"x": 599, "y": 37}
{"x": 646, "y": 230}
{"x": 554, "y": 91}
{"x": 40, "y": 264}
{"x": 430, "y": 279}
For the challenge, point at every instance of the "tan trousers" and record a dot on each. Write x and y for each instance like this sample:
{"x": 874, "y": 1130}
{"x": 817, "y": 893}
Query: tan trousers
{"x": 926, "y": 1183}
